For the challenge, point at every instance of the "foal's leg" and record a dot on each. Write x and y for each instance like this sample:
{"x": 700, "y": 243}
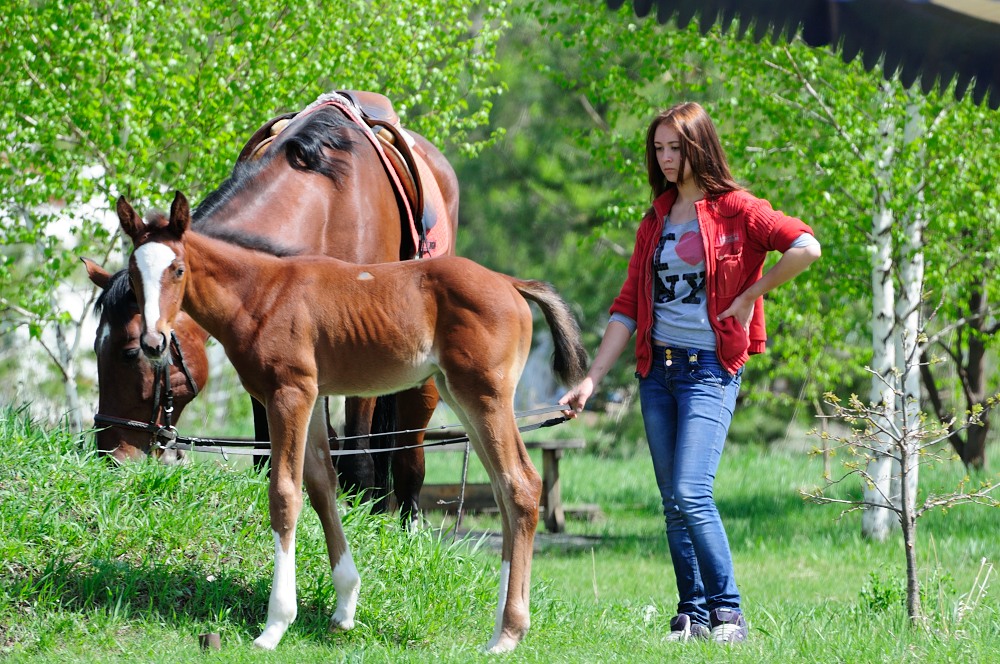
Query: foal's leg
{"x": 321, "y": 483}
{"x": 415, "y": 406}
{"x": 492, "y": 428}
{"x": 288, "y": 414}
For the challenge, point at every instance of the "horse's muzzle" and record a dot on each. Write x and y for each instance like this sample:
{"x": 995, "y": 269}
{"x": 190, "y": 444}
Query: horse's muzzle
{"x": 154, "y": 345}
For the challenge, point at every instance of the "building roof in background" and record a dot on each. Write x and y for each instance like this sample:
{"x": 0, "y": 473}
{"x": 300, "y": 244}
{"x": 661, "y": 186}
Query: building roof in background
{"x": 933, "y": 42}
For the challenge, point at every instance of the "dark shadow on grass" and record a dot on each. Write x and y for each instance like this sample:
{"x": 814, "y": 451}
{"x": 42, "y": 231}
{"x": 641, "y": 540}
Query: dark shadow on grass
{"x": 163, "y": 594}
{"x": 777, "y": 518}
{"x": 568, "y": 545}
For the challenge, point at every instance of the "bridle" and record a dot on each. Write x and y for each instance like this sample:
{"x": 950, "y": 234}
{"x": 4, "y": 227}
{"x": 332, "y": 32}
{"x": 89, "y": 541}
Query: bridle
{"x": 162, "y": 436}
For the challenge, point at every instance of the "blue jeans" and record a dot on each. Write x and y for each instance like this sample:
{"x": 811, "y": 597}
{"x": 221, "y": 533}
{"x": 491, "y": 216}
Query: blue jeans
{"x": 686, "y": 408}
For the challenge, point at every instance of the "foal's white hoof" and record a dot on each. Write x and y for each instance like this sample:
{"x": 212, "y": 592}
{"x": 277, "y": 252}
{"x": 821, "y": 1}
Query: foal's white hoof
{"x": 341, "y": 624}
{"x": 501, "y": 645}
{"x": 266, "y": 641}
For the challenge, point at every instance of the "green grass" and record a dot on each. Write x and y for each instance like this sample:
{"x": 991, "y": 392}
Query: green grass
{"x": 131, "y": 564}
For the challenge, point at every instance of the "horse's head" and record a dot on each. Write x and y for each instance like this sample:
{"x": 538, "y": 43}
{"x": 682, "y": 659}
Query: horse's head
{"x": 127, "y": 394}
{"x": 157, "y": 272}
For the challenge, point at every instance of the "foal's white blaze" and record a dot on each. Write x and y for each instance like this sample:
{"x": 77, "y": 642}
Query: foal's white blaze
{"x": 281, "y": 608}
{"x": 501, "y": 605}
{"x": 152, "y": 259}
{"x": 347, "y": 583}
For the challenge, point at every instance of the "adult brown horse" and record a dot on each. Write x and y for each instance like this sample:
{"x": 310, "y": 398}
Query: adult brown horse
{"x": 320, "y": 188}
{"x": 297, "y": 328}
{"x": 132, "y": 394}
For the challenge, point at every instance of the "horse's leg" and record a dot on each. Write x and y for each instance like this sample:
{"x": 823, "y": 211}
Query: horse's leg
{"x": 321, "y": 483}
{"x": 288, "y": 413}
{"x": 260, "y": 432}
{"x": 357, "y": 472}
{"x": 383, "y": 441}
{"x": 415, "y": 407}
{"x": 488, "y": 417}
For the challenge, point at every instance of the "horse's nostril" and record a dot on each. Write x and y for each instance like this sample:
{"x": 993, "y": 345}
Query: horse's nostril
{"x": 153, "y": 344}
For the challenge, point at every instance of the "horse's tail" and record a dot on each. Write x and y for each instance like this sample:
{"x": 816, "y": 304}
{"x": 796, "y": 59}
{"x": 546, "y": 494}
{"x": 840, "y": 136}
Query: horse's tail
{"x": 570, "y": 358}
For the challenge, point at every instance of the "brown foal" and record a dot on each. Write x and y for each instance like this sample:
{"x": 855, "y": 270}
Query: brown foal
{"x": 301, "y": 327}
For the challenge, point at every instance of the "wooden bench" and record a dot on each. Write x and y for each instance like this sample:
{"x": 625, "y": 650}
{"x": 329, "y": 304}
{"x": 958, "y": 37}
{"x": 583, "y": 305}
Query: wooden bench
{"x": 479, "y": 496}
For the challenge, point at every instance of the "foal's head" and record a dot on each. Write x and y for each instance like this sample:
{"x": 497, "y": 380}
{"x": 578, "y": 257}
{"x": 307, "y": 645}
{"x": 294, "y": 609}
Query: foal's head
{"x": 157, "y": 271}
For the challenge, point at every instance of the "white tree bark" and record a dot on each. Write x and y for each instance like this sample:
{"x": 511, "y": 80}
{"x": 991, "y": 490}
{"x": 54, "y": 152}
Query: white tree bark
{"x": 877, "y": 521}
{"x": 911, "y": 274}
{"x": 68, "y": 366}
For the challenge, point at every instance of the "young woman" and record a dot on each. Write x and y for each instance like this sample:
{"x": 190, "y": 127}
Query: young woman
{"x": 693, "y": 293}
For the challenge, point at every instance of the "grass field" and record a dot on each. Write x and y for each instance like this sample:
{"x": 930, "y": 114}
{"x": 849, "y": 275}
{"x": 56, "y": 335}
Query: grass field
{"x": 131, "y": 564}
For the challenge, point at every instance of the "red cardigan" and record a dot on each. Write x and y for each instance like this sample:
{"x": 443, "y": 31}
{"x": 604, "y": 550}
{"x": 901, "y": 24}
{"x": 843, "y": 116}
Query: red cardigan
{"x": 737, "y": 231}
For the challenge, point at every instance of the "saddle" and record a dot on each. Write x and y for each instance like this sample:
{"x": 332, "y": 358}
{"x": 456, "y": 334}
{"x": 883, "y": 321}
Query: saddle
{"x": 377, "y": 112}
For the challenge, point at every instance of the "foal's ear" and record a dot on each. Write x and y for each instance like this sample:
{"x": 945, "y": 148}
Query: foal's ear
{"x": 130, "y": 221}
{"x": 98, "y": 275}
{"x": 180, "y": 213}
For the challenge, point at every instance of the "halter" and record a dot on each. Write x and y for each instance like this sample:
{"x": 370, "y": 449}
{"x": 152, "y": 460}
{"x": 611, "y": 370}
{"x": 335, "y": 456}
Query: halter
{"x": 452, "y": 433}
{"x": 162, "y": 436}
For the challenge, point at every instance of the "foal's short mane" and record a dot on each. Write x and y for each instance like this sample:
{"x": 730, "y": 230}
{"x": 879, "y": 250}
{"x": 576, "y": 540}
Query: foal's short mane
{"x": 117, "y": 301}
{"x": 307, "y": 146}
{"x": 250, "y": 241}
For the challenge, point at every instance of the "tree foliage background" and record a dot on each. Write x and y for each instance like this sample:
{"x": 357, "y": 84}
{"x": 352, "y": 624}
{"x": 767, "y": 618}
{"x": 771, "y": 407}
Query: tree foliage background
{"x": 801, "y": 128}
{"x": 106, "y": 98}
{"x": 541, "y": 107}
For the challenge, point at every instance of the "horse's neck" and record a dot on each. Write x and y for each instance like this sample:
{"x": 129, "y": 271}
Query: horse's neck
{"x": 356, "y": 220}
{"x": 221, "y": 278}
{"x": 279, "y": 202}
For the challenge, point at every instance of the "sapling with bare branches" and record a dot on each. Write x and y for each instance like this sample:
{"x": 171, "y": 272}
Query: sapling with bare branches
{"x": 910, "y": 439}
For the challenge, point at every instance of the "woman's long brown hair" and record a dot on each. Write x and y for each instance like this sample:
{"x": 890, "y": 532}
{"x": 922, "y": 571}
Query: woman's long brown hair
{"x": 700, "y": 147}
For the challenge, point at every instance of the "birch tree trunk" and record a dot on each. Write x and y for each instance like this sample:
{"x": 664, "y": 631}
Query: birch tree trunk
{"x": 876, "y": 522}
{"x": 911, "y": 275}
{"x": 68, "y": 366}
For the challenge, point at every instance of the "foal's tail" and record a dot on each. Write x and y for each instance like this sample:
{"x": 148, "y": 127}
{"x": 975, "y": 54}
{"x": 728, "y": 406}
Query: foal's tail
{"x": 570, "y": 357}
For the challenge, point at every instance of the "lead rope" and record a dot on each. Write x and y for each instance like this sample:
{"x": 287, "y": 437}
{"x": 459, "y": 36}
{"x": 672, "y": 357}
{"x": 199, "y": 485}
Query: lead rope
{"x": 461, "y": 491}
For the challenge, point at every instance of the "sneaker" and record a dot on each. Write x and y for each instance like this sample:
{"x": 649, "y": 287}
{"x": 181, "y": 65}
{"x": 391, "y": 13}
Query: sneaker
{"x": 728, "y": 625}
{"x": 683, "y": 629}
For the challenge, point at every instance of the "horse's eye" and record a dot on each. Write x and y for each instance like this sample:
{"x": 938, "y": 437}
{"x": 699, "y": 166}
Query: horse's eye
{"x": 130, "y": 354}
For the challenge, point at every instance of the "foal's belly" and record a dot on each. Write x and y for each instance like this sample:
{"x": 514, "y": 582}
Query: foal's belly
{"x": 369, "y": 375}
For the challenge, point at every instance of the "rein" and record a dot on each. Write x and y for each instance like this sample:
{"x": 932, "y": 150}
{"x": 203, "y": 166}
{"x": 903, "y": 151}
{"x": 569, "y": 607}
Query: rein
{"x": 160, "y": 433}
{"x": 236, "y": 446}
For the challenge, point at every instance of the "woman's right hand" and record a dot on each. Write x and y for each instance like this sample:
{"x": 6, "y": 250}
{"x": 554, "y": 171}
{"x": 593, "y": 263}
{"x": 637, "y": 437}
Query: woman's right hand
{"x": 577, "y": 397}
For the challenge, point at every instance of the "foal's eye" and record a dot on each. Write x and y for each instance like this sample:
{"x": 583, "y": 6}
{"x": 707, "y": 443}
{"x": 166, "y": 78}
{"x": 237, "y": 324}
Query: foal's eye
{"x": 178, "y": 273}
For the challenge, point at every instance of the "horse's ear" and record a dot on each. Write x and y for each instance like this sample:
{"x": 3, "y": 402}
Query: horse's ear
{"x": 98, "y": 275}
{"x": 180, "y": 213}
{"x": 130, "y": 221}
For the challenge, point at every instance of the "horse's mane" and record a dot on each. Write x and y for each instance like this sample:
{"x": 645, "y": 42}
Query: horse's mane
{"x": 306, "y": 147}
{"x": 115, "y": 301}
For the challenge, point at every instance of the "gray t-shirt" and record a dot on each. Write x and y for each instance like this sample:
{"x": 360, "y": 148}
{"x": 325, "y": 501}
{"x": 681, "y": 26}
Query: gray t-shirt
{"x": 680, "y": 306}
{"x": 692, "y": 287}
